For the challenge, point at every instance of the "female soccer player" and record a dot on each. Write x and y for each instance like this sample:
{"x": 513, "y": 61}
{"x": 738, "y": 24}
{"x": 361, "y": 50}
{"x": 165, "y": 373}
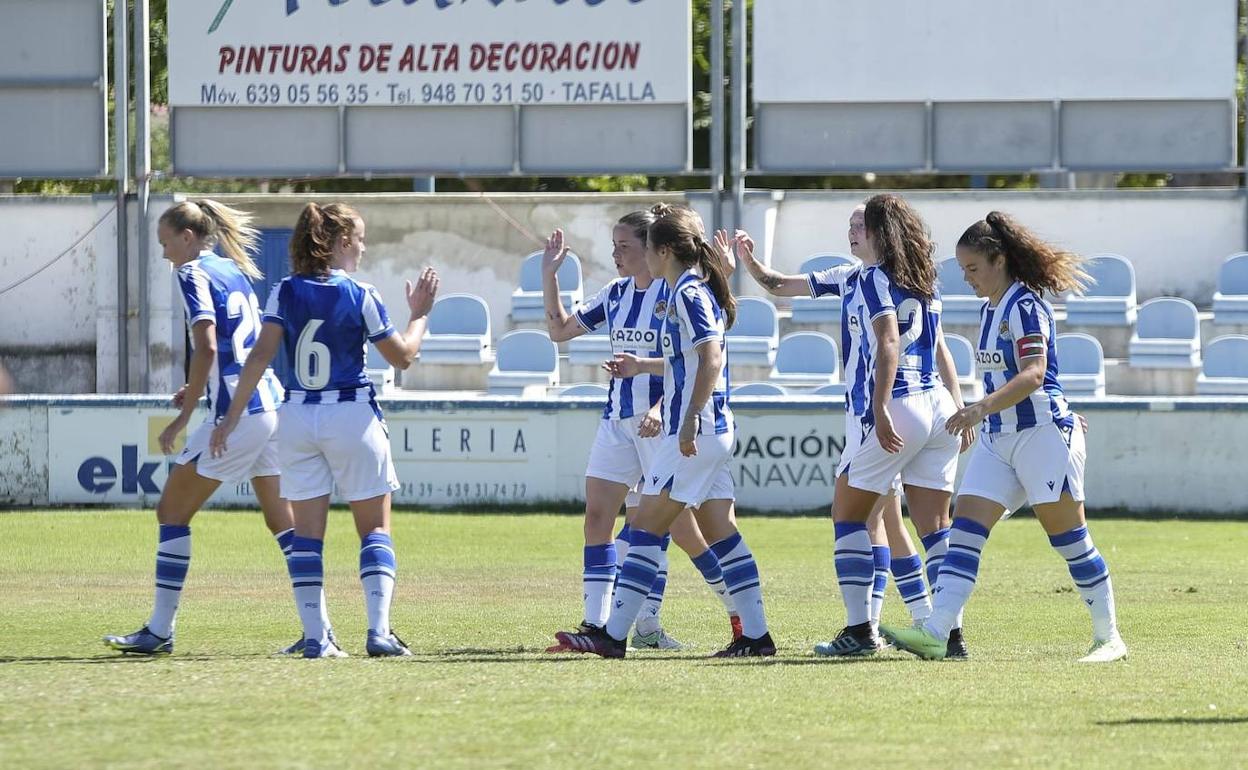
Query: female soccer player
{"x": 224, "y": 317}
{"x": 633, "y": 309}
{"x": 332, "y": 432}
{"x": 1032, "y": 447}
{"x": 690, "y": 466}
{"x": 902, "y": 427}
{"x": 891, "y": 547}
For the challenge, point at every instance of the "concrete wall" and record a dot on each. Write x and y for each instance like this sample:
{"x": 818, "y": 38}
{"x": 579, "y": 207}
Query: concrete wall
{"x": 58, "y": 331}
{"x": 1144, "y": 455}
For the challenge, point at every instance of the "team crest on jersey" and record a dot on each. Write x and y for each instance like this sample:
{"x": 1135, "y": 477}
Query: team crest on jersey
{"x": 660, "y": 308}
{"x": 1004, "y": 330}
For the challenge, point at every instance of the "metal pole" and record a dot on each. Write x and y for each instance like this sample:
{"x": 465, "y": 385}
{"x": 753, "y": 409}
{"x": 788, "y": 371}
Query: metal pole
{"x": 717, "y": 114}
{"x": 143, "y": 174}
{"x": 740, "y": 94}
{"x": 424, "y": 184}
{"x": 121, "y": 132}
{"x": 1243, "y": 51}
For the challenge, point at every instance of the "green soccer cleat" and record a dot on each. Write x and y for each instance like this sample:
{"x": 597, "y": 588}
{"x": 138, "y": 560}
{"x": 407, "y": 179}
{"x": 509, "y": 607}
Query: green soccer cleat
{"x": 1106, "y": 651}
{"x": 916, "y": 640}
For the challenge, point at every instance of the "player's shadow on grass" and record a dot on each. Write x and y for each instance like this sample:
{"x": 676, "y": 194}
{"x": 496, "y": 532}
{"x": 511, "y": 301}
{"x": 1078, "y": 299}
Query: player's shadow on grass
{"x": 533, "y": 655}
{"x": 1210, "y": 720}
{"x": 35, "y": 660}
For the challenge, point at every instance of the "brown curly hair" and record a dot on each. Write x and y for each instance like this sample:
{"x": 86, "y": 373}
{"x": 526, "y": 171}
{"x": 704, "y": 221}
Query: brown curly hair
{"x": 903, "y": 244}
{"x": 1038, "y": 265}
{"x": 312, "y": 245}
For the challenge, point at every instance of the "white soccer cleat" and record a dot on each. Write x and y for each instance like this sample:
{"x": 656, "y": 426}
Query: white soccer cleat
{"x": 1106, "y": 651}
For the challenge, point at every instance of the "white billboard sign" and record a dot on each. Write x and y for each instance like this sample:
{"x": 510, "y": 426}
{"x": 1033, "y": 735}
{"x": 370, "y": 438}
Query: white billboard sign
{"x": 266, "y": 53}
{"x": 984, "y": 50}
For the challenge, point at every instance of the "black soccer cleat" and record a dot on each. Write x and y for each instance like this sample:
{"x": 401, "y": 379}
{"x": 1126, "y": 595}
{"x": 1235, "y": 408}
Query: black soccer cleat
{"x": 853, "y": 642}
{"x": 745, "y": 647}
{"x": 596, "y": 642}
{"x": 957, "y": 646}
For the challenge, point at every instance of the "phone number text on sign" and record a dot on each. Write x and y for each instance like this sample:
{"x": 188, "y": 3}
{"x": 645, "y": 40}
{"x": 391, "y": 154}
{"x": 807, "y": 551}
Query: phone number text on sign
{"x": 447, "y": 92}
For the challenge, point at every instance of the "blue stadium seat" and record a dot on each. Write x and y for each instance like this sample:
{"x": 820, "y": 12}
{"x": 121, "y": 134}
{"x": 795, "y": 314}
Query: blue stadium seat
{"x": 525, "y": 359}
{"x": 585, "y": 390}
{"x": 1110, "y": 301}
{"x": 753, "y": 338}
{"x": 836, "y": 389}
{"x": 1081, "y": 365}
{"x": 808, "y": 310}
{"x": 1225, "y": 367}
{"x": 958, "y": 300}
{"x": 759, "y": 389}
{"x": 1167, "y": 335}
{"x": 526, "y": 300}
{"x": 806, "y": 360}
{"x": 458, "y": 332}
{"x": 1230, "y": 303}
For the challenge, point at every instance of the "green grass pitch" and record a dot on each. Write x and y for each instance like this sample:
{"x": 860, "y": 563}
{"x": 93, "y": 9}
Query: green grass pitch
{"x": 479, "y": 597}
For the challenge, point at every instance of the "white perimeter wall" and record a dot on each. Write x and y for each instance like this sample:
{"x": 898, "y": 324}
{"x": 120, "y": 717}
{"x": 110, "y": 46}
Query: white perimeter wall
{"x": 1174, "y": 457}
{"x": 1176, "y": 238}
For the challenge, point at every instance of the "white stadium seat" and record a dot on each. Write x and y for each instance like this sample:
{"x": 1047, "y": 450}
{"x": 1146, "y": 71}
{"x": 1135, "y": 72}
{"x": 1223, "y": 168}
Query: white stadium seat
{"x": 590, "y": 349}
{"x": 526, "y": 300}
{"x": 1226, "y": 367}
{"x": 759, "y": 389}
{"x": 754, "y": 335}
{"x": 458, "y": 332}
{"x": 1167, "y": 335}
{"x": 585, "y": 390}
{"x": 958, "y": 301}
{"x": 806, "y": 360}
{"x": 1081, "y": 365}
{"x": 525, "y": 359}
{"x": 963, "y": 353}
{"x": 808, "y": 310}
{"x": 1230, "y": 303}
{"x": 1110, "y": 301}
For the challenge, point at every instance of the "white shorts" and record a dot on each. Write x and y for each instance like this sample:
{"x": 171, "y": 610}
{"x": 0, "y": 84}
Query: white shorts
{"x": 853, "y": 440}
{"x": 251, "y": 450}
{"x": 929, "y": 458}
{"x": 344, "y": 444}
{"x": 693, "y": 480}
{"x": 1034, "y": 465}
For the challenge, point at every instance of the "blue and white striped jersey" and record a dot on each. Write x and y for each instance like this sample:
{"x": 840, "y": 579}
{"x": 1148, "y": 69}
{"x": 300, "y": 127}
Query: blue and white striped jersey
{"x": 327, "y": 320}
{"x": 634, "y": 319}
{"x": 694, "y": 320}
{"x": 1020, "y": 326}
{"x": 856, "y": 335}
{"x": 918, "y": 323}
{"x": 214, "y": 289}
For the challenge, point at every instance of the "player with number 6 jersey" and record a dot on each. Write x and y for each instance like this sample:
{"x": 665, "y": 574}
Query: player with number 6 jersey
{"x": 332, "y": 434}
{"x": 224, "y": 318}
{"x": 1032, "y": 446}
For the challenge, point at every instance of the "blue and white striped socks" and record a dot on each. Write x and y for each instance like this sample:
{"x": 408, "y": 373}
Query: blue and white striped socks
{"x": 307, "y": 577}
{"x": 935, "y": 545}
{"x": 285, "y": 540}
{"x": 648, "y": 620}
{"x": 377, "y": 574}
{"x": 173, "y": 559}
{"x": 908, "y": 575}
{"x": 634, "y": 581}
{"x": 855, "y": 570}
{"x": 1091, "y": 577}
{"x": 957, "y": 576}
{"x": 744, "y": 584}
{"x": 597, "y": 580}
{"x": 713, "y": 574}
{"x": 881, "y": 555}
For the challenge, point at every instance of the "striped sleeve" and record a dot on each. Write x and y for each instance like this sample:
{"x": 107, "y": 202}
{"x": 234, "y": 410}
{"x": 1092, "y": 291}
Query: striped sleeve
{"x": 830, "y": 281}
{"x": 877, "y": 293}
{"x": 1029, "y": 328}
{"x": 376, "y": 320}
{"x": 697, "y": 312}
{"x": 593, "y": 313}
{"x": 196, "y": 294}
{"x": 273, "y": 309}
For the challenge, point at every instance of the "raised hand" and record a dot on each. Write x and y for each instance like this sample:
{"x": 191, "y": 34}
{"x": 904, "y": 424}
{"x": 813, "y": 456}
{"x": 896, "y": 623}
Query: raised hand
{"x": 421, "y": 296}
{"x": 745, "y": 245}
{"x": 556, "y": 251}
{"x": 723, "y": 244}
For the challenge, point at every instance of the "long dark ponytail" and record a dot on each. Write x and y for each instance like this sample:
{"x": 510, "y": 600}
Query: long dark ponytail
{"x": 679, "y": 228}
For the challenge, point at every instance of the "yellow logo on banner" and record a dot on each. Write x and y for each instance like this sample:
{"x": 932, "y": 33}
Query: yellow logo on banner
{"x": 156, "y": 426}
